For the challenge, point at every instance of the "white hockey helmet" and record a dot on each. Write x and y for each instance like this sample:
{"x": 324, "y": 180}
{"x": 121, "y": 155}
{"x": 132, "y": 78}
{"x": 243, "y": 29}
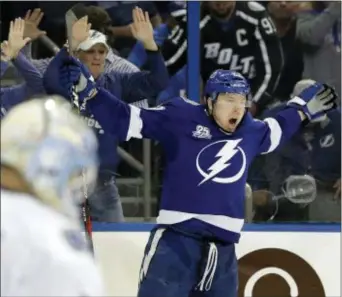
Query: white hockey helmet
{"x": 53, "y": 149}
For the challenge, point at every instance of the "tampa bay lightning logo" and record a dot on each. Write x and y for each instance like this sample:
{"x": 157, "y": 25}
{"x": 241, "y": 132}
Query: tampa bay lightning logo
{"x": 224, "y": 151}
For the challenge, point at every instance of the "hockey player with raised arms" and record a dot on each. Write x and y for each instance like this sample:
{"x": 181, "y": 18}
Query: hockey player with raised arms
{"x": 45, "y": 148}
{"x": 208, "y": 150}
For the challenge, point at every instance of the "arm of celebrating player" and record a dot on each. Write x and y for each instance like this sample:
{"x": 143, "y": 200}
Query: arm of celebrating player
{"x": 269, "y": 62}
{"x": 127, "y": 121}
{"x": 115, "y": 116}
{"x": 311, "y": 104}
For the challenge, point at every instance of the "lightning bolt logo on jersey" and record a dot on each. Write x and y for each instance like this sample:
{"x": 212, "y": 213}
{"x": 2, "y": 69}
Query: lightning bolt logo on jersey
{"x": 229, "y": 152}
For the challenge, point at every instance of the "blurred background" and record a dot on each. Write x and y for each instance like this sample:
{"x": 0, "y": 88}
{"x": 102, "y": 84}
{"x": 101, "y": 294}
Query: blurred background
{"x": 274, "y": 44}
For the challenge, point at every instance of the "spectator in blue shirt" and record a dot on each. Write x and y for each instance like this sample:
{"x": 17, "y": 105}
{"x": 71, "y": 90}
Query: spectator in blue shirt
{"x": 100, "y": 21}
{"x": 172, "y": 12}
{"x": 326, "y": 168}
{"x": 316, "y": 151}
{"x": 121, "y": 15}
{"x": 10, "y": 52}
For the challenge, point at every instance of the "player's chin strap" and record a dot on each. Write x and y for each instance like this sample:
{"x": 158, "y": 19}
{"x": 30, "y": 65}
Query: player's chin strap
{"x": 210, "y": 269}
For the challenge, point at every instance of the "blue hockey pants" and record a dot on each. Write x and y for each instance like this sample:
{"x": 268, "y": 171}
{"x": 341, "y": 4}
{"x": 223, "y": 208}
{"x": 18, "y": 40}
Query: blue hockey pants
{"x": 178, "y": 265}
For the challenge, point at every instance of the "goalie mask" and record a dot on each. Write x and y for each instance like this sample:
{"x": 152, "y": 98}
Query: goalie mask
{"x": 53, "y": 150}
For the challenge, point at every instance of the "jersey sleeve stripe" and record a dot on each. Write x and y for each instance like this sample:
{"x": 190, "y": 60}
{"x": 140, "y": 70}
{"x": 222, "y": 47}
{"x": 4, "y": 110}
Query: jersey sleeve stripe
{"x": 178, "y": 13}
{"x": 135, "y": 123}
{"x": 274, "y": 134}
{"x": 297, "y": 100}
{"x": 247, "y": 18}
{"x": 268, "y": 69}
{"x": 141, "y": 104}
{"x": 178, "y": 54}
{"x": 264, "y": 53}
{"x": 184, "y": 45}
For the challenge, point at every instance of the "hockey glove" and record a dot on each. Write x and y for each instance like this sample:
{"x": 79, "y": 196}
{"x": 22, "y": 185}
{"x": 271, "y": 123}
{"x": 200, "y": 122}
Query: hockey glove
{"x": 79, "y": 81}
{"x": 315, "y": 101}
{"x": 69, "y": 76}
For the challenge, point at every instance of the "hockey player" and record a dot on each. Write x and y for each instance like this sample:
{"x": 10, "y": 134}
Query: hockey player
{"x": 44, "y": 150}
{"x": 208, "y": 150}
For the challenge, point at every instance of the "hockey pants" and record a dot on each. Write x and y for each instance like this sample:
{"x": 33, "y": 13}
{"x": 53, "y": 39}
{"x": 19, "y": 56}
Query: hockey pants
{"x": 177, "y": 265}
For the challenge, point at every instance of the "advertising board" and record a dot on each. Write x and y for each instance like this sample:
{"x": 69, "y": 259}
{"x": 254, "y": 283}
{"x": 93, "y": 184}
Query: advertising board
{"x": 273, "y": 261}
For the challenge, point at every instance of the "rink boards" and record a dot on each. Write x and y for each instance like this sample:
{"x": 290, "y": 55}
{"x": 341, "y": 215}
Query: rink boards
{"x": 285, "y": 260}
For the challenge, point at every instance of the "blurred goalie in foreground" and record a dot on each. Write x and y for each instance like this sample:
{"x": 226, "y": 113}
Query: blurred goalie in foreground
{"x": 44, "y": 150}
{"x": 208, "y": 150}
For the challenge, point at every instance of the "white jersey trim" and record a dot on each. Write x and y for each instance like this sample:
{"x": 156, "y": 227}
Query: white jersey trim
{"x": 275, "y": 134}
{"x": 184, "y": 45}
{"x": 177, "y": 55}
{"x": 170, "y": 217}
{"x": 135, "y": 123}
{"x": 178, "y": 13}
{"x": 268, "y": 69}
{"x": 247, "y": 18}
{"x": 297, "y": 100}
{"x": 264, "y": 54}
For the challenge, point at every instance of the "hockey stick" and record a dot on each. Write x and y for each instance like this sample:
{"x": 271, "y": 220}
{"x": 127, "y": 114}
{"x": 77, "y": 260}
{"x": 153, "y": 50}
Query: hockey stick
{"x": 71, "y": 16}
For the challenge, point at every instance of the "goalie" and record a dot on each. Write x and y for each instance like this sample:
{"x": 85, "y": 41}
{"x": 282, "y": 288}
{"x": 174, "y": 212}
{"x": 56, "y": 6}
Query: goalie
{"x": 208, "y": 150}
{"x": 44, "y": 148}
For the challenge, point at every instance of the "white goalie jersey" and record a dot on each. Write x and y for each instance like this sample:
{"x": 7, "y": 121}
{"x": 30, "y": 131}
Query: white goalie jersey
{"x": 49, "y": 259}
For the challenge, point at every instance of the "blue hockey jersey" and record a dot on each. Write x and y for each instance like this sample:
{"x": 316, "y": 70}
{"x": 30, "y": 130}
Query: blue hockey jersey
{"x": 206, "y": 168}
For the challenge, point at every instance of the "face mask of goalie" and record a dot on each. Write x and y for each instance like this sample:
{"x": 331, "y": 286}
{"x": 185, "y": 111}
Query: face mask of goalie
{"x": 52, "y": 155}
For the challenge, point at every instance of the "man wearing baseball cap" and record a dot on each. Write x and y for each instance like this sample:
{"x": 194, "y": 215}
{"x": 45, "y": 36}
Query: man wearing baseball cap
{"x": 93, "y": 52}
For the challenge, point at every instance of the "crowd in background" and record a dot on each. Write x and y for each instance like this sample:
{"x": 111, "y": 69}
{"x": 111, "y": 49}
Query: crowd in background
{"x": 139, "y": 54}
